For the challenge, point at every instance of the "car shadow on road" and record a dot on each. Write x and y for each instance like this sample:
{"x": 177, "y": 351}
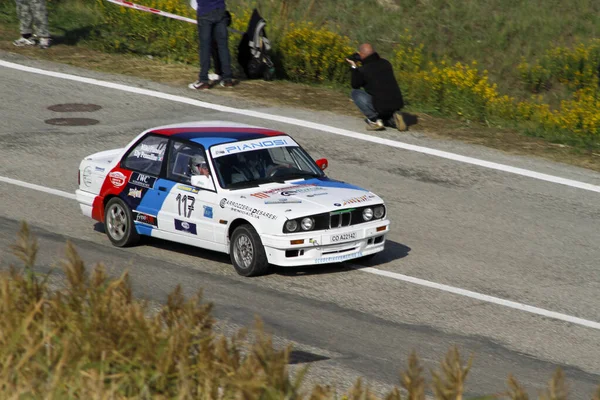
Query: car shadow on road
{"x": 177, "y": 247}
{"x": 393, "y": 251}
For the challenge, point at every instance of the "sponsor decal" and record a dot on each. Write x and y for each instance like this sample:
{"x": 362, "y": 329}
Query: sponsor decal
{"x": 149, "y": 152}
{"x": 87, "y": 176}
{"x": 289, "y": 190}
{"x": 144, "y": 218}
{"x": 338, "y": 258}
{"x": 117, "y": 178}
{"x": 185, "y": 226}
{"x": 190, "y": 189}
{"x": 135, "y": 193}
{"x": 246, "y": 210}
{"x": 282, "y": 201}
{"x": 143, "y": 180}
{"x": 208, "y": 211}
{"x": 99, "y": 169}
{"x": 342, "y": 237}
{"x": 353, "y": 200}
{"x": 230, "y": 148}
{"x": 316, "y": 194}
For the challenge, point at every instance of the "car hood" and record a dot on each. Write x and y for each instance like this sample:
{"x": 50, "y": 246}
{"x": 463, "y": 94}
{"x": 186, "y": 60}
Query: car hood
{"x": 294, "y": 199}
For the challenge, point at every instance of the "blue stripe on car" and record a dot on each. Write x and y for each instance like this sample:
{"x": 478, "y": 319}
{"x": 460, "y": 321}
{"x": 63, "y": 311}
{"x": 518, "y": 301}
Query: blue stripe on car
{"x": 224, "y": 136}
{"x": 210, "y": 141}
{"x": 327, "y": 182}
{"x": 153, "y": 201}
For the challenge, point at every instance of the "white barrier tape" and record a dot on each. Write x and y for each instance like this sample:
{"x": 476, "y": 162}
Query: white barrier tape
{"x": 152, "y": 10}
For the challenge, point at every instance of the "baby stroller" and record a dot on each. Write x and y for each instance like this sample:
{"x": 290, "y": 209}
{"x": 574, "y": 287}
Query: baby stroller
{"x": 253, "y": 50}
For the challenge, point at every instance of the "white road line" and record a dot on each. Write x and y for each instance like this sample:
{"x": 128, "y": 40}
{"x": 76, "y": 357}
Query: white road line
{"x": 33, "y": 186}
{"x": 482, "y": 297}
{"x": 312, "y": 125}
{"x": 393, "y": 275}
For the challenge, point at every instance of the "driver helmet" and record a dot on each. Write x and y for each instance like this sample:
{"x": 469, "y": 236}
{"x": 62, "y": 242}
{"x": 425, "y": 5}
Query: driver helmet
{"x": 197, "y": 163}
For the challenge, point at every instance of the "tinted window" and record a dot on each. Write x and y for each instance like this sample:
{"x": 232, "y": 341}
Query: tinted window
{"x": 147, "y": 156}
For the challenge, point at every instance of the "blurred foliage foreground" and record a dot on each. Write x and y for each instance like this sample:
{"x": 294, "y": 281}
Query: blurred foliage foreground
{"x": 91, "y": 339}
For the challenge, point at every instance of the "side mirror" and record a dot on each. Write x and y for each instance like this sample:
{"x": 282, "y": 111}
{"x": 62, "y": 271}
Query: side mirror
{"x": 203, "y": 181}
{"x": 322, "y": 163}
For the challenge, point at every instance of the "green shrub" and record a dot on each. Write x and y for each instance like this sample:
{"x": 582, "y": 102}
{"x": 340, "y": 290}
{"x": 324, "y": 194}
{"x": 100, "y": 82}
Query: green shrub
{"x": 315, "y": 55}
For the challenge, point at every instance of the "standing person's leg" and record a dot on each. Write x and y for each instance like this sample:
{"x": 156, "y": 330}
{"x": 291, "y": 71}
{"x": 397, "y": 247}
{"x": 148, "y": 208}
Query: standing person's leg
{"x": 221, "y": 36}
{"x": 40, "y": 19}
{"x": 25, "y": 24}
{"x": 216, "y": 59}
{"x": 204, "y": 46}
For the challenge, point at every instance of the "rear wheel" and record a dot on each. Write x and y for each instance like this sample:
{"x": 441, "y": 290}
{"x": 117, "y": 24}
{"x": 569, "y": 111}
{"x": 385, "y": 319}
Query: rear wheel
{"x": 118, "y": 223}
{"x": 247, "y": 252}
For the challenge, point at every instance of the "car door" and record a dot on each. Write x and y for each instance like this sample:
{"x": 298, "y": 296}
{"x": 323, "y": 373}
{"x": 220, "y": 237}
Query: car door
{"x": 188, "y": 211}
{"x": 141, "y": 192}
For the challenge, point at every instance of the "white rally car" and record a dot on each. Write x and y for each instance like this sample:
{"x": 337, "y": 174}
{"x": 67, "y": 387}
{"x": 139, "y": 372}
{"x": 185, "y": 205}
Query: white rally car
{"x": 262, "y": 199}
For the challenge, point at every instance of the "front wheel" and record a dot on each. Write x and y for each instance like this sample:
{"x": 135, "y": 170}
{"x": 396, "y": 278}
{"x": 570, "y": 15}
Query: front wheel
{"x": 247, "y": 252}
{"x": 118, "y": 223}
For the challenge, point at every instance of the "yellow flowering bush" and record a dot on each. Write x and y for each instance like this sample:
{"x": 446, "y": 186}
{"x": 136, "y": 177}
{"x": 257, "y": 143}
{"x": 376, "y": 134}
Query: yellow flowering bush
{"x": 461, "y": 90}
{"x": 577, "y": 68}
{"x": 314, "y": 55}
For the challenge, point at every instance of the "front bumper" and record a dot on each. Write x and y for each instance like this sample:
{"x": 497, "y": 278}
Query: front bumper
{"x": 324, "y": 247}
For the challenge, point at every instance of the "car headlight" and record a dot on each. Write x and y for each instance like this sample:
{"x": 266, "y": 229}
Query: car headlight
{"x": 379, "y": 211}
{"x": 291, "y": 225}
{"x": 367, "y": 214}
{"x": 307, "y": 224}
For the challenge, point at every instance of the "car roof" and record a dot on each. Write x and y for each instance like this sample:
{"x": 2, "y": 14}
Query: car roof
{"x": 208, "y": 133}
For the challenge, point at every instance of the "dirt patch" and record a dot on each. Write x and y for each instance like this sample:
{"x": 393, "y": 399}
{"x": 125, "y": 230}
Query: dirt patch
{"x": 282, "y": 93}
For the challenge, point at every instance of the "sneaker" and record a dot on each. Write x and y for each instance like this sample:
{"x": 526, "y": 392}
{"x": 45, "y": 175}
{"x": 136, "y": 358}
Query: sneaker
{"x": 198, "y": 85}
{"x": 22, "y": 42}
{"x": 44, "y": 43}
{"x": 227, "y": 83}
{"x": 376, "y": 125}
{"x": 399, "y": 120}
{"x": 214, "y": 77}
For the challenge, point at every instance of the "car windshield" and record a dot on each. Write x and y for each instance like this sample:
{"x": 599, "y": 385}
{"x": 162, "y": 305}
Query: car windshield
{"x": 243, "y": 169}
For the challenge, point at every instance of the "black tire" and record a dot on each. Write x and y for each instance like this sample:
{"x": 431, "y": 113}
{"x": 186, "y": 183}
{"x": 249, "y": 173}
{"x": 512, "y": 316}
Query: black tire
{"x": 247, "y": 252}
{"x": 118, "y": 223}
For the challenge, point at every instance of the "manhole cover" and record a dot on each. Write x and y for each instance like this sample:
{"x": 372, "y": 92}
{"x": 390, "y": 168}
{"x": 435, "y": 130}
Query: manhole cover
{"x": 301, "y": 357}
{"x": 74, "y": 107}
{"x": 71, "y": 121}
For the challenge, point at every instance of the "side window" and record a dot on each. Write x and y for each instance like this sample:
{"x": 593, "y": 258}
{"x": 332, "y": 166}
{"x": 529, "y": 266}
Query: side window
{"x": 147, "y": 156}
{"x": 182, "y": 158}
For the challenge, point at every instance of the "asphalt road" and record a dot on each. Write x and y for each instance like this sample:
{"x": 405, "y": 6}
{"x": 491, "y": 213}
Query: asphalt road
{"x": 487, "y": 231}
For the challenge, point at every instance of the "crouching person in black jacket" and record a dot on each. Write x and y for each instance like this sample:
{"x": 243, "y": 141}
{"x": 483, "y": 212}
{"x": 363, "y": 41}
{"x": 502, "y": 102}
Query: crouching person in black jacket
{"x": 381, "y": 100}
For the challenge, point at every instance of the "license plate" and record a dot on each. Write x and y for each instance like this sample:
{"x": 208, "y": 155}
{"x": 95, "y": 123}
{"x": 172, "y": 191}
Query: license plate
{"x": 342, "y": 237}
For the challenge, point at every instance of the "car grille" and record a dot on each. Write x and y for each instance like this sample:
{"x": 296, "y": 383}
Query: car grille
{"x": 338, "y": 220}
